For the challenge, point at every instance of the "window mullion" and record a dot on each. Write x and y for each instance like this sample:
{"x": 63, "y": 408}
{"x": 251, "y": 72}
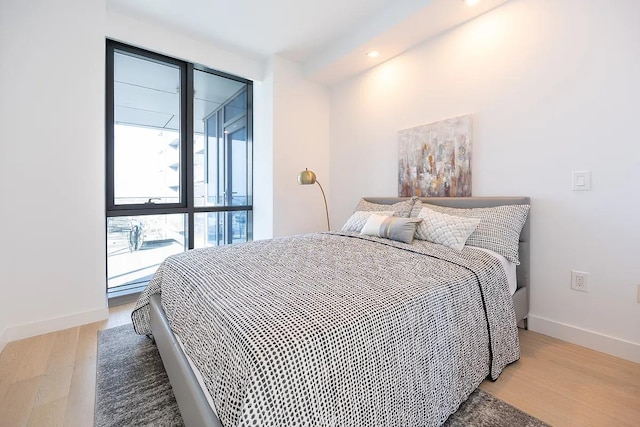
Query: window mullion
{"x": 188, "y": 99}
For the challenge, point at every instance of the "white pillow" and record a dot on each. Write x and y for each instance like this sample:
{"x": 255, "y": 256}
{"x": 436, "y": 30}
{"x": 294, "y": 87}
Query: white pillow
{"x": 359, "y": 219}
{"x": 448, "y": 230}
{"x": 391, "y": 227}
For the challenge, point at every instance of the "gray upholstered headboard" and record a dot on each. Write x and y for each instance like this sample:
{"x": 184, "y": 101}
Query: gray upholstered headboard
{"x": 521, "y": 299}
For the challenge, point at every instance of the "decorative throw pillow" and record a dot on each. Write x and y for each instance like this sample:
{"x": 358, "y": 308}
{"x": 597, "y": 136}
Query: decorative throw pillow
{"x": 498, "y": 230}
{"x": 448, "y": 230}
{"x": 391, "y": 227}
{"x": 359, "y": 218}
{"x": 401, "y": 209}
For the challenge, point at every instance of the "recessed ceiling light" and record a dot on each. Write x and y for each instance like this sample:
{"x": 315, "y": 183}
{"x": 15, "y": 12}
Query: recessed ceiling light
{"x": 373, "y": 54}
{"x": 471, "y": 2}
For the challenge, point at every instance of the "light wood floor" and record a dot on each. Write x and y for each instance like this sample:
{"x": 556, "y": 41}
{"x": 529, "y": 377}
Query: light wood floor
{"x": 49, "y": 380}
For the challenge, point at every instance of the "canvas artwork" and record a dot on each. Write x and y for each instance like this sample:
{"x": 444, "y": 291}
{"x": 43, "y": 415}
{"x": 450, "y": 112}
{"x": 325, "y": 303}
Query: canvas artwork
{"x": 435, "y": 159}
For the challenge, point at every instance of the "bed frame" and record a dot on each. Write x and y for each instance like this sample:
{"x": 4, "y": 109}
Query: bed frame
{"x": 192, "y": 401}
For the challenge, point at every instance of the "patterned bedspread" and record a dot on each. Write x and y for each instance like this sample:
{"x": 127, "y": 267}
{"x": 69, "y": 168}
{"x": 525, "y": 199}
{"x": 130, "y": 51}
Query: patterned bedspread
{"x": 337, "y": 329}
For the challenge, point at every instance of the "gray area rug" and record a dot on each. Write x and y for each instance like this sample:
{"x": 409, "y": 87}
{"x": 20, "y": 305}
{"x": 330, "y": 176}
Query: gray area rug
{"x": 132, "y": 389}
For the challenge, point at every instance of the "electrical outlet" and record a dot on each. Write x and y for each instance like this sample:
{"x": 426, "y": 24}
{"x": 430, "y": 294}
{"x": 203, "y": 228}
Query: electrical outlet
{"x": 580, "y": 281}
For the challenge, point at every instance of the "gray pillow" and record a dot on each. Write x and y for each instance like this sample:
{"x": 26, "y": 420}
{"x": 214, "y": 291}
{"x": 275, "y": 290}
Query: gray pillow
{"x": 391, "y": 227}
{"x": 400, "y": 209}
{"x": 498, "y": 230}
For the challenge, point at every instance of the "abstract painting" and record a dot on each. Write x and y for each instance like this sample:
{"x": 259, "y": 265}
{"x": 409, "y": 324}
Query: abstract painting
{"x": 435, "y": 159}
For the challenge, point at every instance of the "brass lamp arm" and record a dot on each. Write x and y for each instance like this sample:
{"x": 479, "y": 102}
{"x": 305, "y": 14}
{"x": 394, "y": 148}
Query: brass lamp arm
{"x": 326, "y": 208}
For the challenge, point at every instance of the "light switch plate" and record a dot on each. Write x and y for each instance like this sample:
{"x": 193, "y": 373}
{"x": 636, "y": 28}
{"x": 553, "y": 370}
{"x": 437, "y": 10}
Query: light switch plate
{"x": 581, "y": 180}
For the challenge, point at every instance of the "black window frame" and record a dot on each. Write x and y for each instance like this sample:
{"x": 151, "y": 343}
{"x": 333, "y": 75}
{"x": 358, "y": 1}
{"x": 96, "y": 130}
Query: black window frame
{"x": 187, "y": 203}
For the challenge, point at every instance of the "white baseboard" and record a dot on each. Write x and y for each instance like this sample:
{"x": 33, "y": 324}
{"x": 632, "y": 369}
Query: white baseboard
{"x": 3, "y": 340}
{"x": 28, "y": 330}
{"x": 593, "y": 340}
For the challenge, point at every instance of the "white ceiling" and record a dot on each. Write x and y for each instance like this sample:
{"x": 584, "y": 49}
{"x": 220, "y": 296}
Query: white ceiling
{"x": 328, "y": 37}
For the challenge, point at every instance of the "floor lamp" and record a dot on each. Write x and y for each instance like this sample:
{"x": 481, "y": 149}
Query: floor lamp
{"x": 307, "y": 177}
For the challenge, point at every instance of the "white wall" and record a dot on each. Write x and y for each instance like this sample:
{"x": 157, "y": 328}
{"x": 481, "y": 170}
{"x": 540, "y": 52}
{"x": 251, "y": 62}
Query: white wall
{"x": 51, "y": 165}
{"x": 300, "y": 140}
{"x": 553, "y": 87}
{"x": 3, "y": 323}
{"x": 161, "y": 39}
{"x": 263, "y": 156}
{"x": 291, "y": 132}
{"x": 52, "y": 271}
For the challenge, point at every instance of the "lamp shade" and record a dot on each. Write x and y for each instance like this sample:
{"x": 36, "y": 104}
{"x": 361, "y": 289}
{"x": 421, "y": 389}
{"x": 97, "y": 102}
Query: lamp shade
{"x": 306, "y": 177}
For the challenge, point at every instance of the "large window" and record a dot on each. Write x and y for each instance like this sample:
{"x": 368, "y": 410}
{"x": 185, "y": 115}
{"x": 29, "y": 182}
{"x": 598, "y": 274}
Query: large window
{"x": 179, "y": 161}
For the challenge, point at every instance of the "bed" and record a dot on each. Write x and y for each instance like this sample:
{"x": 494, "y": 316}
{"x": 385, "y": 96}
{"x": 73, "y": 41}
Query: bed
{"x": 335, "y": 328}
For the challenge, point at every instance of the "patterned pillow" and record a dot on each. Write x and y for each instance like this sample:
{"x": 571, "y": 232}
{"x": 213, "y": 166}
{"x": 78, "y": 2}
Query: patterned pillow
{"x": 499, "y": 228}
{"x": 400, "y": 209}
{"x": 448, "y": 230}
{"x": 391, "y": 227}
{"x": 359, "y": 219}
